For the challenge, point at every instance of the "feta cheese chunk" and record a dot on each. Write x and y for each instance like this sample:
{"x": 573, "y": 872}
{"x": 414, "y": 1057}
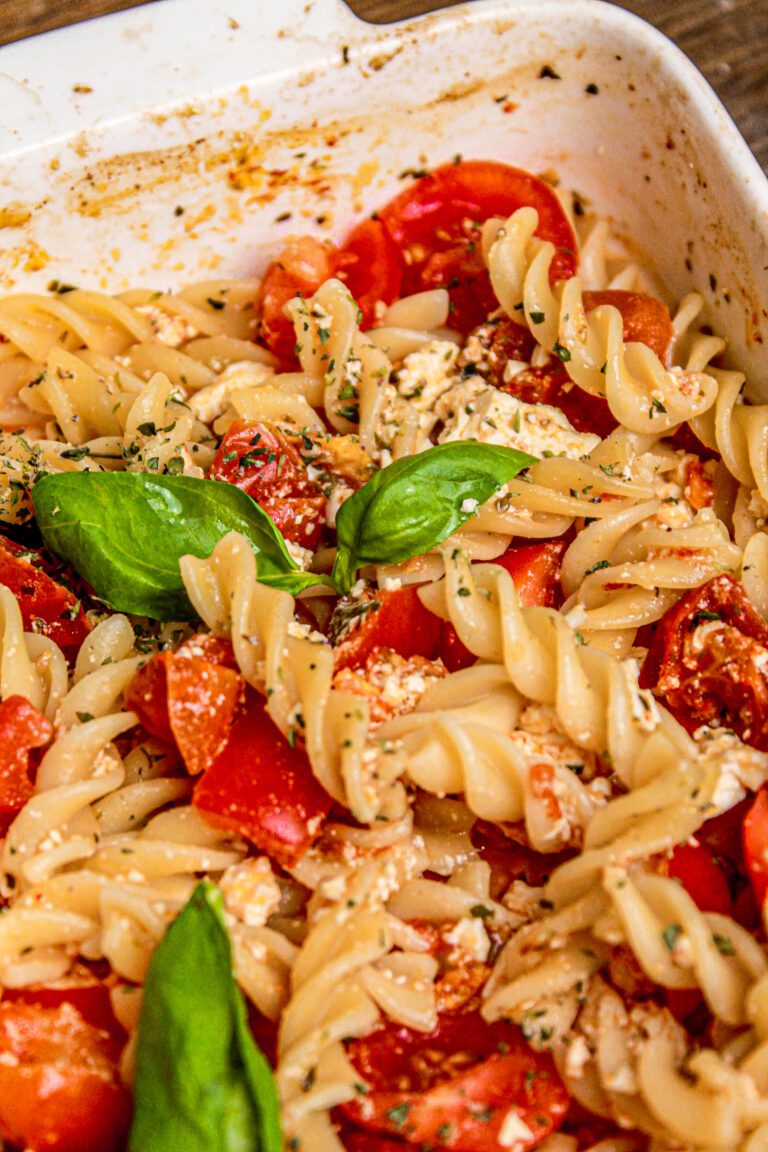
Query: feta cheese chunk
{"x": 250, "y": 890}
{"x": 473, "y": 411}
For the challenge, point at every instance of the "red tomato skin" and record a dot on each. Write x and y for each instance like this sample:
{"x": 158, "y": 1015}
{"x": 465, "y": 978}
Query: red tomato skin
{"x": 723, "y": 681}
{"x": 755, "y": 838}
{"x": 434, "y": 224}
{"x": 370, "y": 268}
{"x": 535, "y": 570}
{"x": 59, "y": 1090}
{"x": 188, "y": 701}
{"x": 262, "y": 461}
{"x": 704, "y": 881}
{"x": 22, "y": 729}
{"x": 302, "y": 266}
{"x": 478, "y": 190}
{"x": 261, "y": 788}
{"x": 401, "y": 623}
{"x": 54, "y": 610}
{"x": 467, "y": 1074}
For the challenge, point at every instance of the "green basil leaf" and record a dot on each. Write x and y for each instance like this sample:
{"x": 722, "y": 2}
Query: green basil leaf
{"x": 125, "y": 532}
{"x": 201, "y": 1084}
{"x": 415, "y": 503}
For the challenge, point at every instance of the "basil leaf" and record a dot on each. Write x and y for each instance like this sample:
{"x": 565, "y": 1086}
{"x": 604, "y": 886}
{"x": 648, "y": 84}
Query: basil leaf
{"x": 201, "y": 1083}
{"x": 125, "y": 532}
{"x": 413, "y": 504}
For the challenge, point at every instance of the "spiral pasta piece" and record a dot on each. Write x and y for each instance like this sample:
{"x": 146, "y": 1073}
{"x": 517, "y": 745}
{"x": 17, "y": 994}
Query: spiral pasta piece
{"x": 296, "y": 674}
{"x": 642, "y": 394}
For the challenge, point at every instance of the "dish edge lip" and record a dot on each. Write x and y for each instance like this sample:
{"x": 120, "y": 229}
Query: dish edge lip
{"x": 68, "y": 53}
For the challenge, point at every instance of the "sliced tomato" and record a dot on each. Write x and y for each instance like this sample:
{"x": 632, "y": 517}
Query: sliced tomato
{"x": 303, "y": 265}
{"x": 370, "y": 267}
{"x": 456, "y": 1086}
{"x": 396, "y": 620}
{"x": 435, "y": 225}
{"x": 263, "y": 789}
{"x": 46, "y": 606}
{"x": 188, "y": 700}
{"x": 535, "y": 569}
{"x": 59, "y": 1088}
{"x": 22, "y": 729}
{"x": 261, "y": 460}
{"x": 755, "y": 834}
{"x": 646, "y": 319}
{"x": 718, "y": 676}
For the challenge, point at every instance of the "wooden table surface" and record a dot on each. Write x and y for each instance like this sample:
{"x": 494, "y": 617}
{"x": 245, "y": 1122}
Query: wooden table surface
{"x": 726, "y": 39}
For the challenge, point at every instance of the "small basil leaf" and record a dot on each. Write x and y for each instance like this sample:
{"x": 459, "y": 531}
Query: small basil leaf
{"x": 201, "y": 1084}
{"x": 415, "y": 503}
{"x": 125, "y": 532}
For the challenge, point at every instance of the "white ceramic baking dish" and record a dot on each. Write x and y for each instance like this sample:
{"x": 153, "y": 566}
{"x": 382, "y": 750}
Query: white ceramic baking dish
{"x": 170, "y": 141}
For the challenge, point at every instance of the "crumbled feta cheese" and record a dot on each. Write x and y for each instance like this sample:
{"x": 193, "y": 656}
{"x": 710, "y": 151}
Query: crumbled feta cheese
{"x": 251, "y": 892}
{"x": 576, "y": 1057}
{"x": 469, "y": 939}
{"x": 474, "y": 411}
{"x": 426, "y": 374}
{"x": 514, "y": 1129}
{"x": 301, "y": 631}
{"x": 469, "y": 506}
{"x": 339, "y": 494}
{"x": 169, "y": 328}
{"x": 211, "y": 401}
{"x": 301, "y": 556}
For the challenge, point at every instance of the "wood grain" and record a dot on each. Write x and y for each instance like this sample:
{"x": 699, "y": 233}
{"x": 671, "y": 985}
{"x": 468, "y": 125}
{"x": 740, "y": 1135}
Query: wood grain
{"x": 726, "y": 39}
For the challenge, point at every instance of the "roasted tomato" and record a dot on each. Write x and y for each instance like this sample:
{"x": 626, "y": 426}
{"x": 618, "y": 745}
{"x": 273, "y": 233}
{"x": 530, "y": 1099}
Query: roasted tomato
{"x": 535, "y": 569}
{"x": 708, "y": 660}
{"x": 22, "y": 729}
{"x": 189, "y": 698}
{"x": 261, "y": 460}
{"x": 84, "y": 992}
{"x": 371, "y": 267}
{"x": 392, "y": 684}
{"x": 467, "y": 1086}
{"x": 701, "y": 876}
{"x": 46, "y": 606}
{"x": 262, "y": 788}
{"x": 302, "y": 266}
{"x": 755, "y": 835}
{"x": 59, "y": 1089}
{"x": 435, "y": 224}
{"x": 396, "y": 620}
{"x": 646, "y": 319}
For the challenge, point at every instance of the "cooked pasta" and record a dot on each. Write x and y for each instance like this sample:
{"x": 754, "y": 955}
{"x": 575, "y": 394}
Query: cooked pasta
{"x": 410, "y": 605}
